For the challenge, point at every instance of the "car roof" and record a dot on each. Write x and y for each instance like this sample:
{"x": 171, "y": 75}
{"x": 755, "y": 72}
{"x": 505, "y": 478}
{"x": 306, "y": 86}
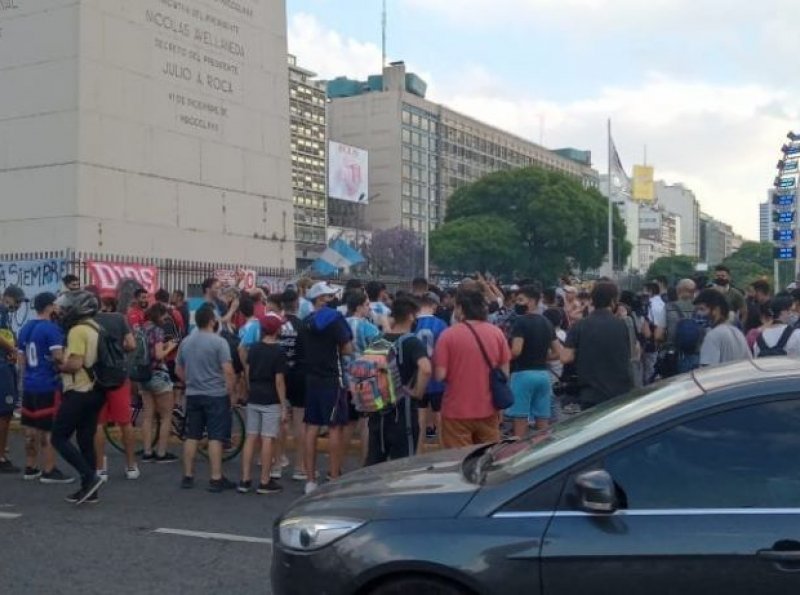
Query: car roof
{"x": 747, "y": 372}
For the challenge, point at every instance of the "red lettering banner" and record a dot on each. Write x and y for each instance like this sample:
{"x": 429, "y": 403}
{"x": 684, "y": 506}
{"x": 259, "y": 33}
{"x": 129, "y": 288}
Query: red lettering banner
{"x": 107, "y": 275}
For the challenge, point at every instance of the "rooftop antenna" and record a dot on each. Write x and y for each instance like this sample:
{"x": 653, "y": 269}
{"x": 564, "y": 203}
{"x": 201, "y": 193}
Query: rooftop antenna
{"x": 383, "y": 36}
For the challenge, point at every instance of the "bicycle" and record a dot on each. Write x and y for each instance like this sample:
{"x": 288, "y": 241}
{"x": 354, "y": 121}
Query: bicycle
{"x": 230, "y": 451}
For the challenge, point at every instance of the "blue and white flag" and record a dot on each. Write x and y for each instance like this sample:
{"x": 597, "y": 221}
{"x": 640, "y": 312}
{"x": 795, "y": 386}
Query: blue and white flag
{"x": 339, "y": 255}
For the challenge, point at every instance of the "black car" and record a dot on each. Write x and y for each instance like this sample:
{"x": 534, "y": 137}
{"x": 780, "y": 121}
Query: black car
{"x": 689, "y": 486}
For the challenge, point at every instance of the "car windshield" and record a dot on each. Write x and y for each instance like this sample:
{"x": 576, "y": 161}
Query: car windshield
{"x": 520, "y": 456}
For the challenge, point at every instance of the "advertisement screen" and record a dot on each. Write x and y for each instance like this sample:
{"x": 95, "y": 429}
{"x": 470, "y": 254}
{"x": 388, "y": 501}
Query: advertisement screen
{"x": 348, "y": 173}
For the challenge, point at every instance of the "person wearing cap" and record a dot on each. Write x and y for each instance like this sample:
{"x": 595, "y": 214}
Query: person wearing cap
{"x": 41, "y": 349}
{"x": 13, "y": 296}
{"x": 327, "y": 338}
{"x": 267, "y": 405}
{"x": 428, "y": 329}
{"x": 81, "y": 402}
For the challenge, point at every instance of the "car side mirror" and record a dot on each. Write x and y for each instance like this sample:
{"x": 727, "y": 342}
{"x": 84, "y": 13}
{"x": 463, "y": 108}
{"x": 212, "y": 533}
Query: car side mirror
{"x": 596, "y": 492}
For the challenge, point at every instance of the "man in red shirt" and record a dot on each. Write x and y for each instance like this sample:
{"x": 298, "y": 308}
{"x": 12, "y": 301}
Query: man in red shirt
{"x": 468, "y": 413}
{"x": 135, "y": 313}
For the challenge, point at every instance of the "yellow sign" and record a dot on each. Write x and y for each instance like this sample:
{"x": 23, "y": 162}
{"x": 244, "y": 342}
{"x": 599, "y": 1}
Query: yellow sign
{"x": 643, "y": 188}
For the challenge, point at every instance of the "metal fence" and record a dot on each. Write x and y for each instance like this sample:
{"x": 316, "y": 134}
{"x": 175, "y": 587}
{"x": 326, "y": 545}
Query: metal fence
{"x": 186, "y": 275}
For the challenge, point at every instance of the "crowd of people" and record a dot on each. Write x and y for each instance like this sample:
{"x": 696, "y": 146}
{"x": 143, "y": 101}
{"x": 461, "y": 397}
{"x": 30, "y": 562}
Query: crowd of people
{"x": 398, "y": 370}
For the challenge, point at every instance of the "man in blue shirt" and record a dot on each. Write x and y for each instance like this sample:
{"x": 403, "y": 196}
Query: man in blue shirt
{"x": 428, "y": 330}
{"x": 12, "y": 298}
{"x": 41, "y": 348}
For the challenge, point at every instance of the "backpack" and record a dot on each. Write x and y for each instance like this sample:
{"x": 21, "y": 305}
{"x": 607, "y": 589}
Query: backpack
{"x": 688, "y": 333}
{"x": 141, "y": 365}
{"x": 110, "y": 368}
{"x": 779, "y": 348}
{"x": 233, "y": 344}
{"x": 374, "y": 376}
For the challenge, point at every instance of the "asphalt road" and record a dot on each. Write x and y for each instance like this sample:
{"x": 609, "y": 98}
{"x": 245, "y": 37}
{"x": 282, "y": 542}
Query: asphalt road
{"x": 128, "y": 542}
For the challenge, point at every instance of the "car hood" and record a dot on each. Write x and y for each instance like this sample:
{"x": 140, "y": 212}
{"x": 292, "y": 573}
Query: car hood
{"x": 427, "y": 486}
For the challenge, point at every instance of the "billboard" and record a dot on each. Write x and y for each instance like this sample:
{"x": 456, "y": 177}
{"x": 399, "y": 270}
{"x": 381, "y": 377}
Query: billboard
{"x": 643, "y": 188}
{"x": 348, "y": 173}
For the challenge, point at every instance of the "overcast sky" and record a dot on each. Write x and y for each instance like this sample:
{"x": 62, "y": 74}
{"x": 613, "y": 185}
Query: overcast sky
{"x": 706, "y": 85}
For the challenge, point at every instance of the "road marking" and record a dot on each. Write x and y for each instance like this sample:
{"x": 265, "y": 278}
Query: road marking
{"x": 9, "y": 515}
{"x": 216, "y": 536}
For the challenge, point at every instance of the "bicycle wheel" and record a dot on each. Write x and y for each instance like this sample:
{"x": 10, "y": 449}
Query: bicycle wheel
{"x": 233, "y": 447}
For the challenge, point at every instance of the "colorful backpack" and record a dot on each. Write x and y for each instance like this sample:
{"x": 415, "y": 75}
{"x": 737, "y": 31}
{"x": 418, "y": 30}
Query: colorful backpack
{"x": 374, "y": 376}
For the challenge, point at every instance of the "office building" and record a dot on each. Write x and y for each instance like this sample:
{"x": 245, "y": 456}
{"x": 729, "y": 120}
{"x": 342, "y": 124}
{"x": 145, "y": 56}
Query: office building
{"x": 308, "y": 140}
{"x": 421, "y": 152}
{"x": 679, "y": 200}
{"x": 765, "y": 218}
{"x": 659, "y": 233}
{"x": 717, "y": 240}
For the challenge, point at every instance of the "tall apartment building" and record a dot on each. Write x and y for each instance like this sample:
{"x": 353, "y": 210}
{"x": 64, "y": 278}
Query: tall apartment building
{"x": 765, "y": 218}
{"x": 659, "y": 233}
{"x": 629, "y": 212}
{"x": 681, "y": 201}
{"x": 308, "y": 140}
{"x": 421, "y": 151}
{"x": 717, "y": 240}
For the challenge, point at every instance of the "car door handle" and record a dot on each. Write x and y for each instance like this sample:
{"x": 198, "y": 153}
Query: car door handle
{"x": 780, "y": 556}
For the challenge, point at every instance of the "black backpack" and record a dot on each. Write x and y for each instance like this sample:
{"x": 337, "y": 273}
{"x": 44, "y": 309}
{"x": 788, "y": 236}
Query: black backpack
{"x": 110, "y": 368}
{"x": 779, "y": 348}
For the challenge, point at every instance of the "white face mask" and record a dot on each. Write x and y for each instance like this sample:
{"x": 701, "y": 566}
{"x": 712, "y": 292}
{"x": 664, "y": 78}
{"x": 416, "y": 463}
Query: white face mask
{"x": 792, "y": 318}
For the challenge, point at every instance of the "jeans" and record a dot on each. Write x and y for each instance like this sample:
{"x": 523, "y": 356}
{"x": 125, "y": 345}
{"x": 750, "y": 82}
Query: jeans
{"x": 78, "y": 415}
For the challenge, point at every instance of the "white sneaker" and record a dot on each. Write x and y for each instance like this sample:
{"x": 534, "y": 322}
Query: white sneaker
{"x": 132, "y": 472}
{"x": 276, "y": 473}
{"x": 284, "y": 461}
{"x": 102, "y": 475}
{"x": 299, "y": 476}
{"x": 311, "y": 486}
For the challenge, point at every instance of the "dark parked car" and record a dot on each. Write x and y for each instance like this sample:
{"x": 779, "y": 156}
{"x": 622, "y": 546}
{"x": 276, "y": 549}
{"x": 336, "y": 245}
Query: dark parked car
{"x": 689, "y": 486}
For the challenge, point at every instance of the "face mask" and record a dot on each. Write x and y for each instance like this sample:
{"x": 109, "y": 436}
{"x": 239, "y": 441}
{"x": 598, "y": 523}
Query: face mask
{"x": 702, "y": 319}
{"x": 792, "y": 319}
{"x": 520, "y": 309}
{"x": 722, "y": 282}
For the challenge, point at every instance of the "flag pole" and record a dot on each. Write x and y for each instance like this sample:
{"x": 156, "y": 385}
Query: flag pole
{"x": 610, "y": 208}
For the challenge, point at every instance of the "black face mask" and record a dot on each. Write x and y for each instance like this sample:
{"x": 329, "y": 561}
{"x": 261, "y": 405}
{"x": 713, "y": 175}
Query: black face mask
{"x": 722, "y": 282}
{"x": 520, "y": 309}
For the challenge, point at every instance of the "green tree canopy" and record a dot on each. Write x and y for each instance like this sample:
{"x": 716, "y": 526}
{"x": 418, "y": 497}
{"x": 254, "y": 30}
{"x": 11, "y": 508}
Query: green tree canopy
{"x": 754, "y": 260}
{"x": 479, "y": 243}
{"x": 674, "y": 268}
{"x": 560, "y": 225}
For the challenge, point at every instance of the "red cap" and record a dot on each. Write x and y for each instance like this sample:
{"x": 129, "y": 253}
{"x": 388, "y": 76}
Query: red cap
{"x": 271, "y": 324}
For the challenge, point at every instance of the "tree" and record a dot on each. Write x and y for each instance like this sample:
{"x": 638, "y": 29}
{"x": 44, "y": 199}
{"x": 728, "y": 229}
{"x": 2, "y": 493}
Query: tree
{"x": 395, "y": 252}
{"x": 480, "y": 243}
{"x": 754, "y": 260}
{"x": 560, "y": 224}
{"x": 674, "y": 268}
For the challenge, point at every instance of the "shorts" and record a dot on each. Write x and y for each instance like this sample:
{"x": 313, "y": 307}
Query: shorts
{"x": 457, "y": 433}
{"x": 296, "y": 390}
{"x": 158, "y": 384}
{"x": 432, "y": 400}
{"x": 533, "y": 395}
{"x": 39, "y": 409}
{"x": 8, "y": 389}
{"x": 211, "y": 415}
{"x": 264, "y": 420}
{"x": 117, "y": 409}
{"x": 326, "y": 406}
